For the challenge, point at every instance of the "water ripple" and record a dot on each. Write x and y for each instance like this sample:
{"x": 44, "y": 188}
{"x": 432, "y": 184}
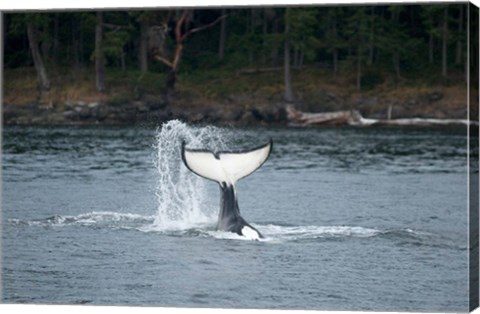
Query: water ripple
{"x": 273, "y": 233}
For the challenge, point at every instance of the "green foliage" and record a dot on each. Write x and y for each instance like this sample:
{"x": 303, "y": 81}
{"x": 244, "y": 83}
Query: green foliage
{"x": 16, "y": 23}
{"x": 114, "y": 43}
{"x": 331, "y": 20}
{"x": 431, "y": 18}
{"x": 357, "y": 26}
{"x": 392, "y": 35}
{"x": 254, "y": 39}
{"x": 303, "y": 30}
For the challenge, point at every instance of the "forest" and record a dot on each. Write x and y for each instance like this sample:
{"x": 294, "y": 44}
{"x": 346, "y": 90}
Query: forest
{"x": 247, "y": 61}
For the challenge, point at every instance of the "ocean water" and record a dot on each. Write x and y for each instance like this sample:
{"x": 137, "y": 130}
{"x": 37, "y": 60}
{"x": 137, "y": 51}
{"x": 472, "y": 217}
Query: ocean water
{"x": 354, "y": 219}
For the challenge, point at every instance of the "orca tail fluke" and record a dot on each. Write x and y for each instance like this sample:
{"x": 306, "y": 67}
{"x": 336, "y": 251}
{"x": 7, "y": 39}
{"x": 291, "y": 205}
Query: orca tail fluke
{"x": 225, "y": 167}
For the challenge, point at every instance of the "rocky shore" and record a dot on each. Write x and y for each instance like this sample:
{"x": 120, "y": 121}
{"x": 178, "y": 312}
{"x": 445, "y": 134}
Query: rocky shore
{"x": 83, "y": 113}
{"x": 239, "y": 110}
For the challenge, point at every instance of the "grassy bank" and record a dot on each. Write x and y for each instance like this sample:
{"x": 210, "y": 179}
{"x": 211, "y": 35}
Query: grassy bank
{"x": 316, "y": 90}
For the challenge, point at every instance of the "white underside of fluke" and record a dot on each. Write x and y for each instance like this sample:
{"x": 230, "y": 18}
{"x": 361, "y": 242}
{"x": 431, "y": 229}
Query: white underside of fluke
{"x": 228, "y": 167}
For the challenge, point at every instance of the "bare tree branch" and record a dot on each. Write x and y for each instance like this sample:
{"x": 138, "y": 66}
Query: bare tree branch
{"x": 204, "y": 27}
{"x": 178, "y": 28}
{"x": 162, "y": 59}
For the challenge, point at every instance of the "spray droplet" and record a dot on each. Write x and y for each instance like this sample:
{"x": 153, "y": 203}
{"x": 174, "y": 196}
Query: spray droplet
{"x": 183, "y": 200}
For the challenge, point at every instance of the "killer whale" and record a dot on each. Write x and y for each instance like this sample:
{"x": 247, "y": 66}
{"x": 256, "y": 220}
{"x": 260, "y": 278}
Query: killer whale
{"x": 226, "y": 168}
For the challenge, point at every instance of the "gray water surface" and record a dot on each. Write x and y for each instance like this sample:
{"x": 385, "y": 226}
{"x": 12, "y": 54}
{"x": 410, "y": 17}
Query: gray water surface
{"x": 354, "y": 219}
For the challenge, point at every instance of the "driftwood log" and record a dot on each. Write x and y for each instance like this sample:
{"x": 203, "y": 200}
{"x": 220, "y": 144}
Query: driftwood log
{"x": 354, "y": 118}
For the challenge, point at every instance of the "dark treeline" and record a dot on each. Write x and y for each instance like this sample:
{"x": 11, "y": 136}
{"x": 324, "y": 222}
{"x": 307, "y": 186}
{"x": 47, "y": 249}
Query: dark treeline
{"x": 401, "y": 40}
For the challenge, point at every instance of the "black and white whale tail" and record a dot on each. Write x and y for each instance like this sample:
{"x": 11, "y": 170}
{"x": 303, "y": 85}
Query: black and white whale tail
{"x": 226, "y": 168}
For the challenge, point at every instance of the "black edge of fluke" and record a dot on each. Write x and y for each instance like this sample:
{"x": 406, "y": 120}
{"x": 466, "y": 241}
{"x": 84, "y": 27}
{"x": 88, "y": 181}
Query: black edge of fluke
{"x": 233, "y": 151}
{"x": 184, "y": 144}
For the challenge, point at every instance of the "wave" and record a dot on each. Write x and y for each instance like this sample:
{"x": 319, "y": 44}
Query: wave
{"x": 296, "y": 233}
{"x": 103, "y": 219}
{"x": 273, "y": 233}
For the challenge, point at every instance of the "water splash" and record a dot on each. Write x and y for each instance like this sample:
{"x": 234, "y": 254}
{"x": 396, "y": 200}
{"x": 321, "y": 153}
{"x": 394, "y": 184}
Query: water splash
{"x": 103, "y": 219}
{"x": 273, "y": 233}
{"x": 280, "y": 234}
{"x": 183, "y": 201}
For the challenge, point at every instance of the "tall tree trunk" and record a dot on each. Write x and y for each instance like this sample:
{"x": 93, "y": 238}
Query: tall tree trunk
{"x": 181, "y": 34}
{"x": 359, "y": 67}
{"x": 45, "y": 44}
{"x": 372, "y": 37}
{"x": 396, "y": 64}
{"x": 396, "y": 53}
{"x": 56, "y": 41}
{"x": 44, "y": 82}
{"x": 295, "y": 57}
{"x": 302, "y": 58}
{"x": 413, "y": 22}
{"x": 444, "y": 43}
{"x": 143, "y": 48}
{"x": 81, "y": 39}
{"x": 172, "y": 75}
{"x": 274, "y": 54}
{"x": 123, "y": 62}
{"x": 335, "y": 50}
{"x": 251, "y": 30}
{"x": 430, "y": 48}
{"x": 75, "y": 44}
{"x": 170, "y": 85}
{"x": 265, "y": 33}
{"x": 360, "y": 40}
{"x": 459, "y": 52}
{"x": 223, "y": 37}
{"x": 99, "y": 56}
{"x": 335, "y": 62}
{"x": 287, "y": 76}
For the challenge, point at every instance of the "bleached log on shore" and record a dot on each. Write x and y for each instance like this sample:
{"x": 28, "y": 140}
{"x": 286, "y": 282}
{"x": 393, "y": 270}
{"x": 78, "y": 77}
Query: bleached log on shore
{"x": 300, "y": 118}
{"x": 354, "y": 118}
{"x": 427, "y": 122}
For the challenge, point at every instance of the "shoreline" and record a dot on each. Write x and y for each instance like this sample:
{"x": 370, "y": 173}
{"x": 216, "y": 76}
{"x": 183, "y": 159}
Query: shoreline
{"x": 239, "y": 99}
{"x": 88, "y": 114}
{"x": 233, "y": 110}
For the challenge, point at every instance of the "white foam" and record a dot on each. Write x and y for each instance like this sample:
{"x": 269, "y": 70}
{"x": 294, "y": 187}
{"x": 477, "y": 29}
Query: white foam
{"x": 291, "y": 233}
{"x": 108, "y": 216}
{"x": 226, "y": 235}
{"x": 272, "y": 233}
{"x": 280, "y": 234}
